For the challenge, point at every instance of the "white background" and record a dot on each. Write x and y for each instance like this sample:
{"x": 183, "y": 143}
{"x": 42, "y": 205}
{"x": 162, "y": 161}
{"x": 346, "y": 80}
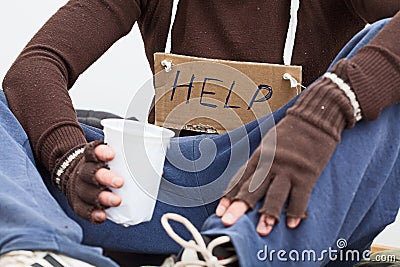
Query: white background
{"x": 111, "y": 82}
{"x": 108, "y": 85}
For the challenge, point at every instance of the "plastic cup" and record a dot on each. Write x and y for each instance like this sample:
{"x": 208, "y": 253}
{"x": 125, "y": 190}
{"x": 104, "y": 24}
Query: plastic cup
{"x": 140, "y": 150}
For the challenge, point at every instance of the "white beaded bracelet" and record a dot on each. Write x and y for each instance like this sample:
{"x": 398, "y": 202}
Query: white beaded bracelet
{"x": 349, "y": 93}
{"x": 66, "y": 163}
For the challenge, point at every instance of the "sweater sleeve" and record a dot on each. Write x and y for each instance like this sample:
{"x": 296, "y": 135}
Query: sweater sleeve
{"x": 374, "y": 72}
{"x": 37, "y": 83}
{"x": 373, "y": 10}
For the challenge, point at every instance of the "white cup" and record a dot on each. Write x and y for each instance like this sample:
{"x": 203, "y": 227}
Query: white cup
{"x": 140, "y": 150}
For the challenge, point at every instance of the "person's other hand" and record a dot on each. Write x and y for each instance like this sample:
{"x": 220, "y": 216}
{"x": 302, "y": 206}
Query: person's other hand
{"x": 86, "y": 180}
{"x": 305, "y": 140}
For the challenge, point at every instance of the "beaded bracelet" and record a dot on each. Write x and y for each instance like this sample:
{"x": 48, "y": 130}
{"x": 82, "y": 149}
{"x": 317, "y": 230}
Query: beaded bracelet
{"x": 348, "y": 91}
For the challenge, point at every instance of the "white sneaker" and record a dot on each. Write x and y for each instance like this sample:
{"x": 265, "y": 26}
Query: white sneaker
{"x": 196, "y": 253}
{"x": 24, "y": 258}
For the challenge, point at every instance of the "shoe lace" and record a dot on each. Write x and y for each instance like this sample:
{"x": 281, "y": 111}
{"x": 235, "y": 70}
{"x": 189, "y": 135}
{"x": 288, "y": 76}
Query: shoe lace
{"x": 198, "y": 244}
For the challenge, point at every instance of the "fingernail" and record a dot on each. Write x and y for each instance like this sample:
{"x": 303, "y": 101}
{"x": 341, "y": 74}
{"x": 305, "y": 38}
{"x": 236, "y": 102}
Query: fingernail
{"x": 108, "y": 153}
{"x": 220, "y": 210}
{"x": 291, "y": 222}
{"x": 117, "y": 182}
{"x": 98, "y": 216}
{"x": 228, "y": 218}
{"x": 262, "y": 228}
{"x": 114, "y": 200}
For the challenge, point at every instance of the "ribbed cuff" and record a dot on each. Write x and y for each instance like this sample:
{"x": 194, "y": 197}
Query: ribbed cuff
{"x": 326, "y": 107}
{"x": 375, "y": 79}
{"x": 57, "y": 141}
{"x": 68, "y": 160}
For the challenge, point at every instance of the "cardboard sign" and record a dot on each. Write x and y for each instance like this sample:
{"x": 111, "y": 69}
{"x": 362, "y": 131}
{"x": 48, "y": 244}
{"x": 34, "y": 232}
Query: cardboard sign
{"x": 215, "y": 96}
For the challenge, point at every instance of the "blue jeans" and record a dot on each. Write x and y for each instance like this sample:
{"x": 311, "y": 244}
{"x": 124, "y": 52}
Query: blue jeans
{"x": 30, "y": 218}
{"x": 354, "y": 199}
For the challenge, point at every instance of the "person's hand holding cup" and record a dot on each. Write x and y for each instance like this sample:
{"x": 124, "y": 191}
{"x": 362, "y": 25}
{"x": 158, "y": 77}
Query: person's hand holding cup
{"x": 83, "y": 176}
{"x": 109, "y": 179}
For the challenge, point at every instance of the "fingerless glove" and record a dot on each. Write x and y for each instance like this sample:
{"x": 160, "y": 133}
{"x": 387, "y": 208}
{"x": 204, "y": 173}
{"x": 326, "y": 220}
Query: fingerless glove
{"x": 74, "y": 175}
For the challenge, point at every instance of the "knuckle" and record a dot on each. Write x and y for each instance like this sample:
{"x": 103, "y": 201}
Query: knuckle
{"x": 225, "y": 201}
{"x": 103, "y": 152}
{"x": 99, "y": 150}
{"x": 102, "y": 173}
{"x": 103, "y": 198}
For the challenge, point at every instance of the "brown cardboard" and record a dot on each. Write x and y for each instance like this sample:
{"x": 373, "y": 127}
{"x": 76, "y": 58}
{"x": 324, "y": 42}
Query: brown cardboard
{"x": 218, "y": 105}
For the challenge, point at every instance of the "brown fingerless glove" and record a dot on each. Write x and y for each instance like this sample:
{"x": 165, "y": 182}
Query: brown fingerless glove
{"x": 74, "y": 175}
{"x": 305, "y": 140}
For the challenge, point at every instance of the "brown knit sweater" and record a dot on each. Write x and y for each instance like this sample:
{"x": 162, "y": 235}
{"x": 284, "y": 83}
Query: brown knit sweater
{"x": 37, "y": 84}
